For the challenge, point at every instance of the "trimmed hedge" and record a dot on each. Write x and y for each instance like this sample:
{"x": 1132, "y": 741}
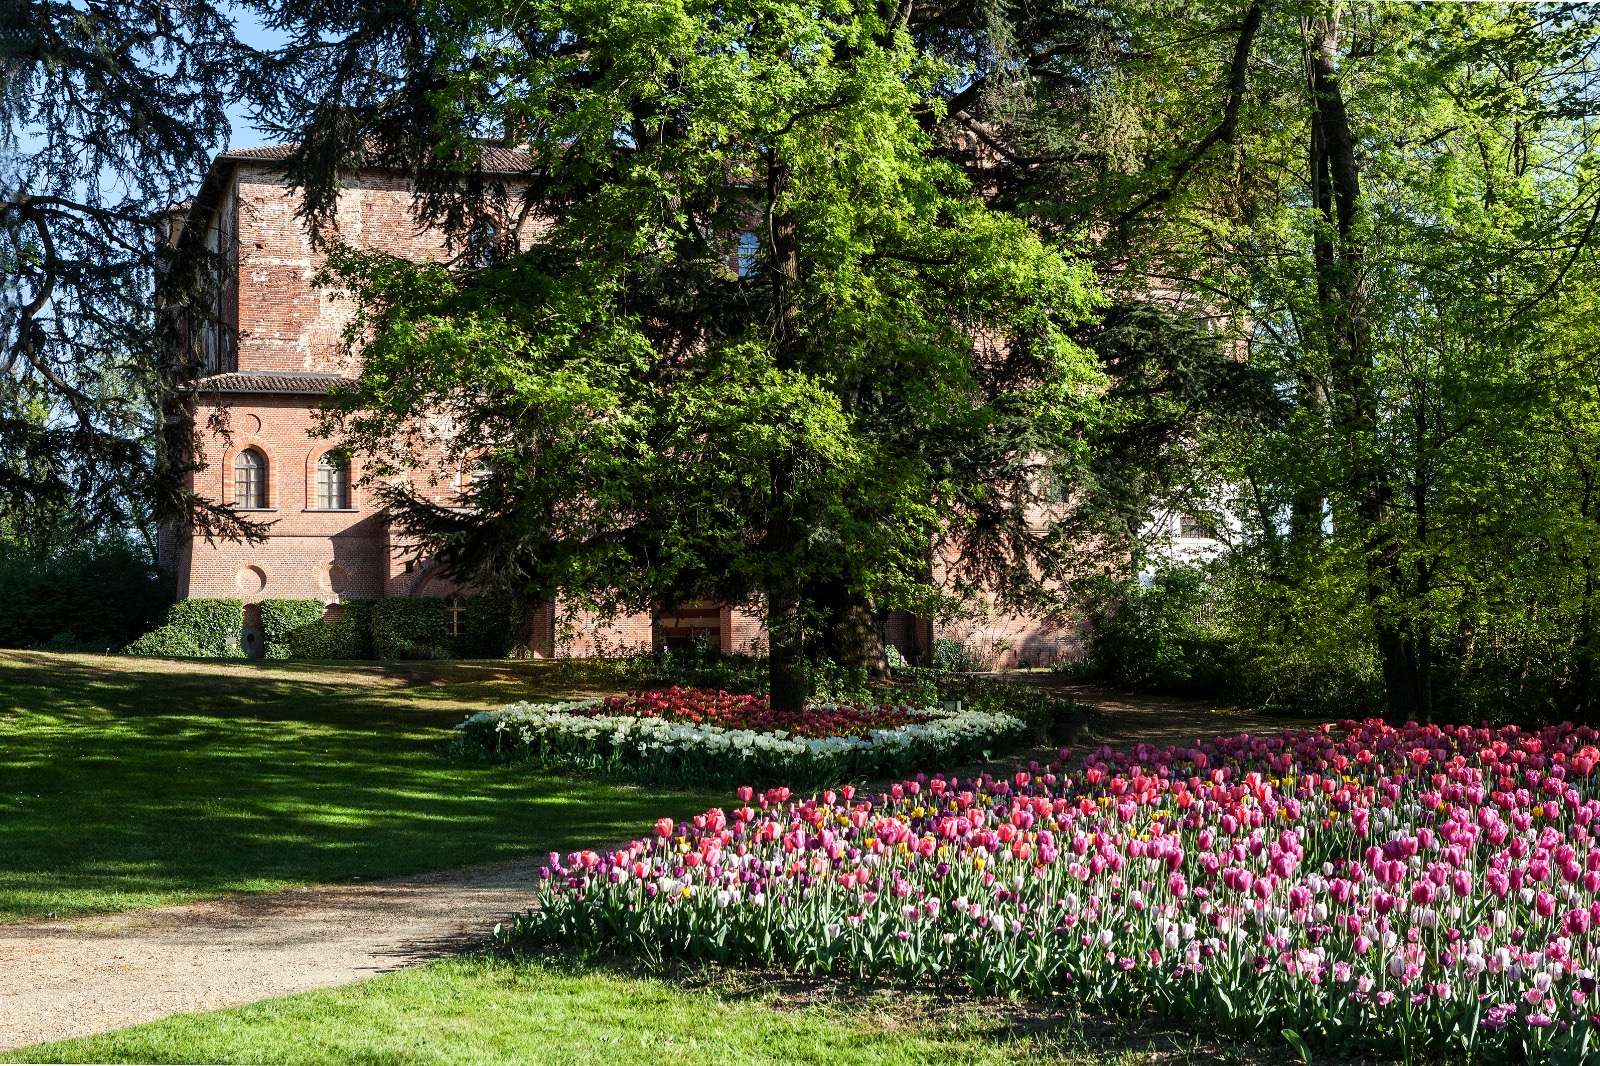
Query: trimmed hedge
{"x": 303, "y": 629}
{"x": 346, "y": 636}
{"x": 203, "y": 629}
{"x": 493, "y": 623}
{"x": 280, "y": 619}
{"x": 93, "y": 596}
{"x": 410, "y": 629}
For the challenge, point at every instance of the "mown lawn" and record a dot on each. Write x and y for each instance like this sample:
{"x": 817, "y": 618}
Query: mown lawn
{"x": 485, "y": 1010}
{"x": 130, "y": 783}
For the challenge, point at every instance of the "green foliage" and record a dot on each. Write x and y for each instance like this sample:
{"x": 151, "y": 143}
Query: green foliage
{"x": 410, "y": 628}
{"x": 207, "y": 629}
{"x": 954, "y": 656}
{"x": 491, "y": 626}
{"x": 87, "y": 364}
{"x": 656, "y": 426}
{"x": 1224, "y": 633}
{"x": 280, "y": 618}
{"x": 1164, "y": 637}
{"x": 303, "y": 629}
{"x": 167, "y": 642}
{"x": 97, "y": 595}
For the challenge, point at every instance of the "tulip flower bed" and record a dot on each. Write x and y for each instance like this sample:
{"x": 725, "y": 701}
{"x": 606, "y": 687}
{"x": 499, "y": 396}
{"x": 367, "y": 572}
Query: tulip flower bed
{"x": 695, "y": 737}
{"x": 1421, "y": 892}
{"x": 699, "y": 707}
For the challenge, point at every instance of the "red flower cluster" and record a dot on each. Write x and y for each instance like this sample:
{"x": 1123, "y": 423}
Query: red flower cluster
{"x": 703, "y": 707}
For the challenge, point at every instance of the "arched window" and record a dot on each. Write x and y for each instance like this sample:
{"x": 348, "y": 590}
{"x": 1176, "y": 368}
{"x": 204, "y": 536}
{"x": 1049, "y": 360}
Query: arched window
{"x": 455, "y": 615}
{"x": 250, "y": 479}
{"x": 333, "y": 482}
{"x": 470, "y": 477}
{"x": 484, "y": 247}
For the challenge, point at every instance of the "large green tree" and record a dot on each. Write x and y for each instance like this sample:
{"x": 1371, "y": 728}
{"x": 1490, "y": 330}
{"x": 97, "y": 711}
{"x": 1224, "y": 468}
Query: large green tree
{"x": 1400, "y": 229}
{"x": 767, "y": 342}
{"x": 1390, "y": 208}
{"x": 109, "y": 113}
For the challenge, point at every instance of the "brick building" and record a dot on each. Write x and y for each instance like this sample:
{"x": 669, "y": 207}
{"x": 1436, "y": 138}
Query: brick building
{"x": 279, "y": 349}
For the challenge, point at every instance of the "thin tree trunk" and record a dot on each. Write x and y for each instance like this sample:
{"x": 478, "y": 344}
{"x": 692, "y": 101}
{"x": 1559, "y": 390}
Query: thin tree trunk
{"x": 789, "y": 681}
{"x": 1584, "y": 646}
{"x": 1340, "y": 258}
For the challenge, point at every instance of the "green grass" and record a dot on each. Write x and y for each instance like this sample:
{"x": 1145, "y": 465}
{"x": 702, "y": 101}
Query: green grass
{"x": 130, "y": 783}
{"x": 485, "y": 1010}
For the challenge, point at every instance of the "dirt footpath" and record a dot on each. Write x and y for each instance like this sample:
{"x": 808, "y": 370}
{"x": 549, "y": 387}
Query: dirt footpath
{"x": 1124, "y": 720}
{"x": 88, "y": 975}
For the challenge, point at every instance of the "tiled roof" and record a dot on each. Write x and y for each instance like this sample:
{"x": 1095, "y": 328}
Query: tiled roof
{"x": 301, "y": 384}
{"x": 495, "y": 159}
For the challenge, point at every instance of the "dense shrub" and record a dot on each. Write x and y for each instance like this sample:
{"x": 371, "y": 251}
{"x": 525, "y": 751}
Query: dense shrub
{"x": 1224, "y": 633}
{"x": 208, "y": 629}
{"x": 280, "y": 618}
{"x": 345, "y": 634}
{"x": 954, "y": 656}
{"x": 167, "y": 642}
{"x": 410, "y": 629}
{"x": 306, "y": 629}
{"x": 97, "y": 596}
{"x": 1163, "y": 638}
{"x": 494, "y": 621}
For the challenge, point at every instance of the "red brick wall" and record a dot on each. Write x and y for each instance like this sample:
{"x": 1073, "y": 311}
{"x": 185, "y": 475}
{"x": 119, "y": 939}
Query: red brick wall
{"x": 580, "y": 633}
{"x": 284, "y": 322}
{"x": 307, "y": 552}
{"x": 746, "y": 633}
{"x": 1002, "y": 639}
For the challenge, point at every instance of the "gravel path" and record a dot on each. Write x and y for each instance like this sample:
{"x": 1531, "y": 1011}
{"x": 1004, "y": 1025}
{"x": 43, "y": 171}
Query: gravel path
{"x": 73, "y": 978}
{"x": 88, "y": 975}
{"x": 1128, "y": 719}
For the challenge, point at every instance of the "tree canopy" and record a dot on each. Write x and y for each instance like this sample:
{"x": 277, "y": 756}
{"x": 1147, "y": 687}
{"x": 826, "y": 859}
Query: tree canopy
{"x": 109, "y": 114}
{"x": 804, "y": 297}
{"x": 766, "y": 341}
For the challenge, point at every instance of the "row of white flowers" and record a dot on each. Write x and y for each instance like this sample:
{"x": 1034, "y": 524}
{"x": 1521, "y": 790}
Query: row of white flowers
{"x": 554, "y": 734}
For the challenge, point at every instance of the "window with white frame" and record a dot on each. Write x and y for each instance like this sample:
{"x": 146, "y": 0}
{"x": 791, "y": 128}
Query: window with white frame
{"x": 250, "y": 480}
{"x": 333, "y": 482}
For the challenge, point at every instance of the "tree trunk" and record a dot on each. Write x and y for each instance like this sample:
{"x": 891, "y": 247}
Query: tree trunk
{"x": 790, "y": 682}
{"x": 1340, "y": 258}
{"x": 850, "y": 634}
{"x": 787, "y": 678}
{"x": 1584, "y": 647}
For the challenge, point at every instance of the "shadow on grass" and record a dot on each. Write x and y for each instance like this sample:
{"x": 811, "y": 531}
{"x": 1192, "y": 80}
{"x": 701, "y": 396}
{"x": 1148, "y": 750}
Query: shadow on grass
{"x": 1052, "y": 1025}
{"x": 130, "y": 783}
